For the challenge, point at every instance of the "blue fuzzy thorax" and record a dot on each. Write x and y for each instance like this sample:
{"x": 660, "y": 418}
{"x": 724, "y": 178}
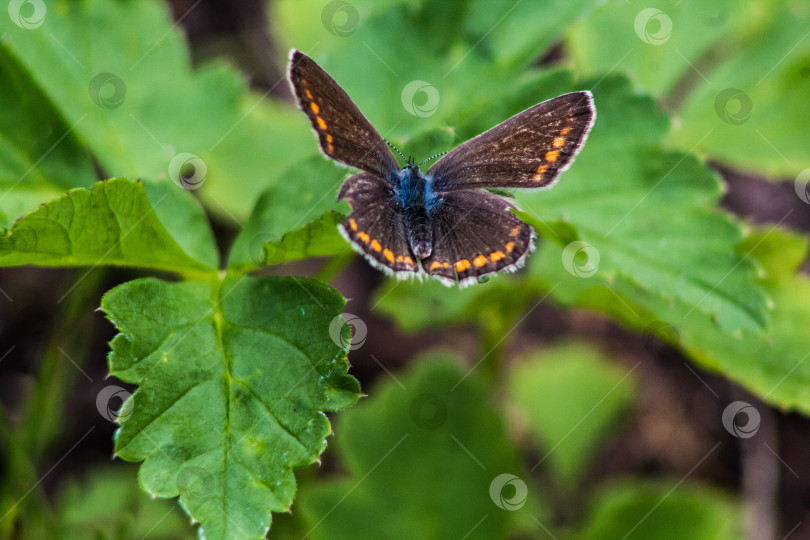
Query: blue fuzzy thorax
{"x": 415, "y": 190}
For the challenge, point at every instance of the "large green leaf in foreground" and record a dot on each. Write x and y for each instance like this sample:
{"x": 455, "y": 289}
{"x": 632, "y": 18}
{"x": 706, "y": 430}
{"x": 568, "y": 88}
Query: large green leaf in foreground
{"x": 234, "y": 376}
{"x": 115, "y": 223}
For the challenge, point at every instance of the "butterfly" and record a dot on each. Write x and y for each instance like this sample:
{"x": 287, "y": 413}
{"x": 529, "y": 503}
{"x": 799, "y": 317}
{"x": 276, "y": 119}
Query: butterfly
{"x": 441, "y": 223}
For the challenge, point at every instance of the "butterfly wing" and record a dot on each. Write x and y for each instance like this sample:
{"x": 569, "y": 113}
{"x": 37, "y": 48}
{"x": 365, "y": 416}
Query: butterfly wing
{"x": 475, "y": 233}
{"x": 529, "y": 150}
{"x": 343, "y": 132}
{"x": 376, "y": 228}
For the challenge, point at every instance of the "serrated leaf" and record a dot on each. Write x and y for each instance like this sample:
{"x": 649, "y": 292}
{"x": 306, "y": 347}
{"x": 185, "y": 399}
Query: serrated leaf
{"x": 570, "y": 396}
{"x": 773, "y": 366}
{"x": 40, "y": 157}
{"x": 650, "y": 216}
{"x": 234, "y": 376}
{"x": 113, "y": 223}
{"x": 319, "y": 238}
{"x": 641, "y": 511}
{"x": 419, "y": 451}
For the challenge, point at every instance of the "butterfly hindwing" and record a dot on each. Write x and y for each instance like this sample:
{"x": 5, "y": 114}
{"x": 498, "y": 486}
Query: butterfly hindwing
{"x": 475, "y": 233}
{"x": 375, "y": 228}
{"x": 343, "y": 132}
{"x": 529, "y": 150}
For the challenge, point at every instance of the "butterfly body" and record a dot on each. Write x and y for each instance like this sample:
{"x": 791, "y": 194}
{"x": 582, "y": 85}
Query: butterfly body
{"x": 441, "y": 223}
{"x": 417, "y": 199}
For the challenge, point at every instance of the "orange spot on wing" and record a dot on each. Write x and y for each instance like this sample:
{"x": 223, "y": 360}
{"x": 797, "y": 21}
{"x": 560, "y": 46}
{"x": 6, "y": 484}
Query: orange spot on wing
{"x": 462, "y": 265}
{"x": 496, "y": 256}
{"x": 406, "y": 259}
{"x": 515, "y": 230}
{"x": 308, "y": 93}
{"x": 330, "y": 148}
{"x": 541, "y": 170}
{"x": 364, "y": 237}
{"x": 322, "y": 123}
{"x": 376, "y": 245}
{"x": 314, "y": 107}
{"x": 558, "y": 142}
{"x": 552, "y": 155}
{"x": 510, "y": 246}
{"x": 388, "y": 254}
{"x": 566, "y": 130}
{"x": 353, "y": 224}
{"x": 434, "y": 265}
{"x": 480, "y": 261}
{"x": 329, "y": 138}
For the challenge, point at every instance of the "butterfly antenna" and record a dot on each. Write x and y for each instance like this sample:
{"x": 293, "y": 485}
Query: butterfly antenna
{"x": 431, "y": 157}
{"x": 395, "y": 149}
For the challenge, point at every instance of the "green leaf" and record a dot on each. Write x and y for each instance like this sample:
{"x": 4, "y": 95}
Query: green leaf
{"x": 234, "y": 376}
{"x": 139, "y": 106}
{"x": 114, "y": 223}
{"x": 773, "y": 366}
{"x": 421, "y": 444}
{"x": 737, "y": 72}
{"x": 570, "y": 396}
{"x": 648, "y": 217}
{"x": 309, "y": 191}
{"x": 40, "y": 157}
{"x": 664, "y": 512}
{"x": 107, "y": 503}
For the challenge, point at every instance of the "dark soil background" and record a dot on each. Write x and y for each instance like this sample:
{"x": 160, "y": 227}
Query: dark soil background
{"x": 676, "y": 421}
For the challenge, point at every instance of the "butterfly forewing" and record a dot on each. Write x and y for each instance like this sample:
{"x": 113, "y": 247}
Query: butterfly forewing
{"x": 475, "y": 233}
{"x": 529, "y": 150}
{"x": 375, "y": 228}
{"x": 343, "y": 132}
